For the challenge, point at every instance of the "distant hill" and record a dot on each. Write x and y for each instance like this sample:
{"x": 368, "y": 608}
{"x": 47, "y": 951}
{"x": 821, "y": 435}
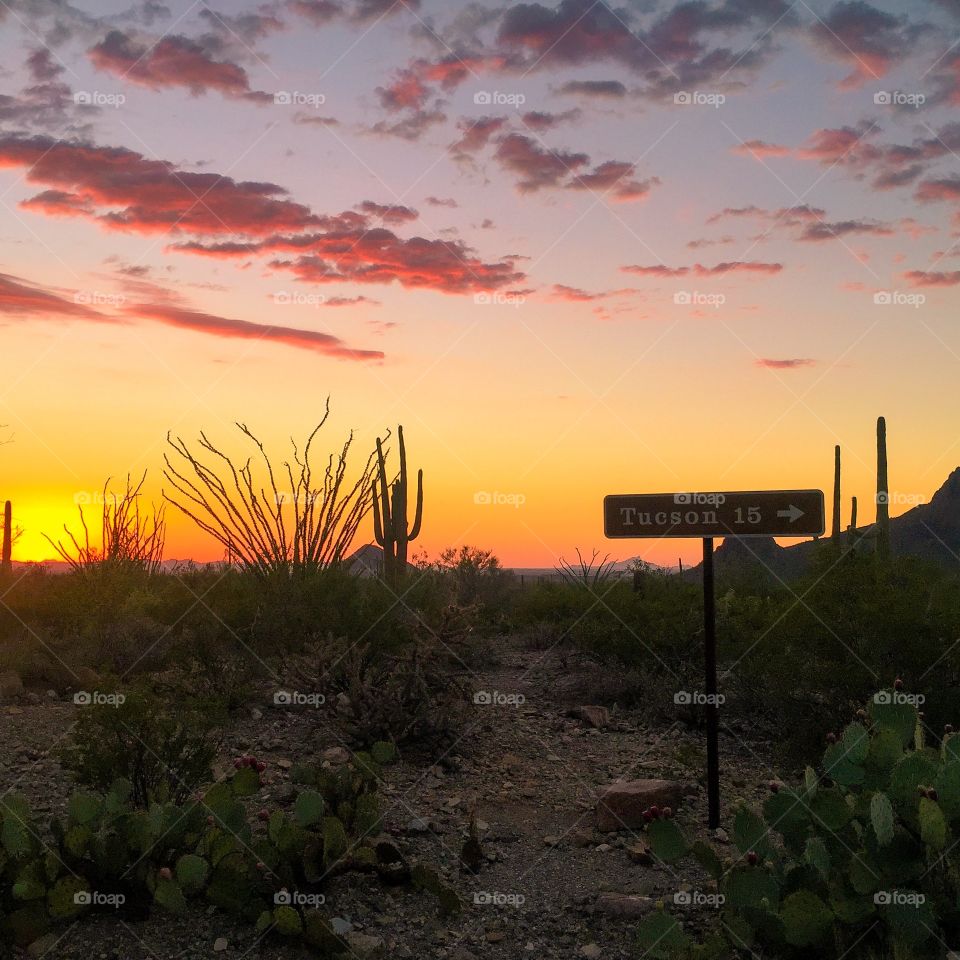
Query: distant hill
{"x": 929, "y": 530}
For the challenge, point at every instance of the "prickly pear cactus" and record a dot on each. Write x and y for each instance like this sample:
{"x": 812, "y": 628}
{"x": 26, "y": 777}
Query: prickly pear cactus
{"x": 858, "y": 860}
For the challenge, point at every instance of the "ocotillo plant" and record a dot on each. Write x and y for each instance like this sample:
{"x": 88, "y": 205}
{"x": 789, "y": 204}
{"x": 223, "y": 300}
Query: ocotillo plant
{"x": 5, "y": 561}
{"x": 390, "y": 514}
{"x": 836, "y": 496}
{"x": 883, "y": 493}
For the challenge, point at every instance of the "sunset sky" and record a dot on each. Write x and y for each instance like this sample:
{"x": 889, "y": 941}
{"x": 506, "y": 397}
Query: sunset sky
{"x": 575, "y": 248}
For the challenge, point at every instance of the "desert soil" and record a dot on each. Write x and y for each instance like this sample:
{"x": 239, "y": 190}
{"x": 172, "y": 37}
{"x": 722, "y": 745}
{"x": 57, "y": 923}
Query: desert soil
{"x": 531, "y": 772}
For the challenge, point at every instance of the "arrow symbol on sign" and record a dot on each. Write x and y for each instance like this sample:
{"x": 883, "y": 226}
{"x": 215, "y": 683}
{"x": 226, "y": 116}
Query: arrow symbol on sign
{"x": 794, "y": 513}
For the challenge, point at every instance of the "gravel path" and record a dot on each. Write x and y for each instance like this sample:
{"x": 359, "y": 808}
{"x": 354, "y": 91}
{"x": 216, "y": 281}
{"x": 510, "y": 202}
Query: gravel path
{"x": 529, "y": 771}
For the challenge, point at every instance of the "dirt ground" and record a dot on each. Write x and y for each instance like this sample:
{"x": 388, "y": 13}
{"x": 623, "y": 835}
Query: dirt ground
{"x": 531, "y": 772}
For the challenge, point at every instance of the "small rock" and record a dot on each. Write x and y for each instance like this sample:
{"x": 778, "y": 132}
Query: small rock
{"x": 256, "y": 714}
{"x": 418, "y": 825}
{"x": 10, "y": 684}
{"x": 53, "y": 695}
{"x": 621, "y": 804}
{"x": 41, "y": 947}
{"x": 551, "y": 841}
{"x": 624, "y": 905}
{"x": 462, "y": 953}
{"x": 592, "y": 716}
{"x": 582, "y": 837}
{"x": 340, "y": 926}
{"x": 364, "y": 946}
{"x": 496, "y": 936}
{"x": 603, "y": 848}
{"x": 639, "y": 852}
{"x": 336, "y": 755}
{"x": 284, "y": 764}
{"x": 220, "y": 944}
{"x": 591, "y": 951}
{"x": 721, "y": 835}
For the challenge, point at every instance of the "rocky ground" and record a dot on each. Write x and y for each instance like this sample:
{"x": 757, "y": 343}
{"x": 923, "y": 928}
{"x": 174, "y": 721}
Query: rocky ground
{"x": 531, "y": 763}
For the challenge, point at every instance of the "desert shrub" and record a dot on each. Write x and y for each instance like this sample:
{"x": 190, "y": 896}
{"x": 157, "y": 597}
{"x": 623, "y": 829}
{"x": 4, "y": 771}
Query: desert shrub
{"x": 163, "y": 749}
{"x": 823, "y": 644}
{"x": 857, "y": 860}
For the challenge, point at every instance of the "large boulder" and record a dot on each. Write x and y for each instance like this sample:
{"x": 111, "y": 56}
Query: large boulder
{"x": 621, "y": 805}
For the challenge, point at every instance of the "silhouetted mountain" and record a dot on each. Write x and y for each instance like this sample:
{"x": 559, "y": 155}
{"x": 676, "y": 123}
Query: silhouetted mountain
{"x": 929, "y": 530}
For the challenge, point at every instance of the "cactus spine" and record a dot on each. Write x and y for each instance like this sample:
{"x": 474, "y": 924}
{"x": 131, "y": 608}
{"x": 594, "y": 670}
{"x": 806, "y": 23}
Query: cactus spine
{"x": 883, "y": 493}
{"x": 836, "y": 496}
{"x": 5, "y": 562}
{"x": 390, "y": 514}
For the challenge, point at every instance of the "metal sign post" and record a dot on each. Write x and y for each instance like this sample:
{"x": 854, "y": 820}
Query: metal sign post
{"x": 758, "y": 513}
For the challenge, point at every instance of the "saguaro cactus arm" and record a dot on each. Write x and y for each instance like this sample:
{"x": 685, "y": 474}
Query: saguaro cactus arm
{"x": 5, "y": 557}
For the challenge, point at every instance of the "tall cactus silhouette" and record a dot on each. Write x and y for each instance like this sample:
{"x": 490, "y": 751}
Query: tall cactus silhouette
{"x": 5, "y": 561}
{"x": 836, "y": 496}
{"x": 852, "y": 530}
{"x": 390, "y": 514}
{"x": 883, "y": 493}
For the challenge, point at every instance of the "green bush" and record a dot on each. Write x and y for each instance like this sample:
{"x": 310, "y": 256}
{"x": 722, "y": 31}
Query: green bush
{"x": 164, "y": 749}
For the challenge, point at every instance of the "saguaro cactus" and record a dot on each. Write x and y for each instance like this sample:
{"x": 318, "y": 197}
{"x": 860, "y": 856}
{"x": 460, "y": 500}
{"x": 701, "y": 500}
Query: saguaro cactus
{"x": 390, "y": 514}
{"x": 5, "y": 562}
{"x": 883, "y": 493}
{"x": 852, "y": 531}
{"x": 836, "y": 495}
